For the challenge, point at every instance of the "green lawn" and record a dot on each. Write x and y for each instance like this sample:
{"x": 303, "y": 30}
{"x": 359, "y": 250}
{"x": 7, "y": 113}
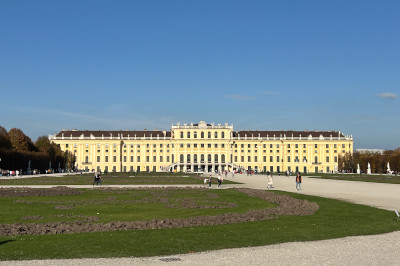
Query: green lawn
{"x": 334, "y": 219}
{"x": 125, "y": 205}
{"x": 392, "y": 179}
{"x": 115, "y": 179}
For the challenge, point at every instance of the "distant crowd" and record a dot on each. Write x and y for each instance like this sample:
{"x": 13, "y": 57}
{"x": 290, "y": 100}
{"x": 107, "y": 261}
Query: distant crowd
{"x": 32, "y": 172}
{"x": 11, "y": 173}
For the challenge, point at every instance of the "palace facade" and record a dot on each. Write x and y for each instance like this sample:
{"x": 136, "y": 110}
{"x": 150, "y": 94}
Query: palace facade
{"x": 205, "y": 147}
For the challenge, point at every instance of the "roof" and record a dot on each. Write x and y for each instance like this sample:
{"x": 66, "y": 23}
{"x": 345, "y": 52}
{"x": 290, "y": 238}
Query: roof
{"x": 289, "y": 133}
{"x": 113, "y": 133}
{"x": 154, "y": 133}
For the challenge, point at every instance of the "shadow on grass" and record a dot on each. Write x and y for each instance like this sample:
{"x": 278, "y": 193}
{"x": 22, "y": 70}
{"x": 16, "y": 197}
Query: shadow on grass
{"x": 5, "y": 242}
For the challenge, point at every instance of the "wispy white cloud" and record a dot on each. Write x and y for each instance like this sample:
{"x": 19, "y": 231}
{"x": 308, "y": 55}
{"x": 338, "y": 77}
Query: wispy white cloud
{"x": 269, "y": 93}
{"x": 387, "y": 95}
{"x": 239, "y": 97}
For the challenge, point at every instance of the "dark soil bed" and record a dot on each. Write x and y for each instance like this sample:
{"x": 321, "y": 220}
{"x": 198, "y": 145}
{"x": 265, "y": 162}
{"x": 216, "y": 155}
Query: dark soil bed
{"x": 286, "y": 206}
{"x": 29, "y": 192}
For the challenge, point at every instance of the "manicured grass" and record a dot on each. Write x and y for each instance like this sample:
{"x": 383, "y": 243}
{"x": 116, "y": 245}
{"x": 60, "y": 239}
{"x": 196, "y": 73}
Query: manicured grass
{"x": 334, "y": 219}
{"x": 126, "y": 205}
{"x": 392, "y": 179}
{"x": 115, "y": 179}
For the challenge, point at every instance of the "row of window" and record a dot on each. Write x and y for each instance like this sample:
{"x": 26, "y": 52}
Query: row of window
{"x": 215, "y": 145}
{"x": 188, "y": 135}
{"x": 288, "y": 151}
{"x": 289, "y": 145}
{"x": 125, "y": 145}
{"x": 235, "y": 152}
{"x": 202, "y": 145}
{"x": 209, "y": 159}
{"x": 125, "y": 159}
{"x": 202, "y": 157}
{"x": 278, "y": 159}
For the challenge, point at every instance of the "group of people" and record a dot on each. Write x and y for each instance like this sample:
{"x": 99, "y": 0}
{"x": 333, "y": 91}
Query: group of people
{"x": 270, "y": 183}
{"x": 209, "y": 181}
{"x": 10, "y": 173}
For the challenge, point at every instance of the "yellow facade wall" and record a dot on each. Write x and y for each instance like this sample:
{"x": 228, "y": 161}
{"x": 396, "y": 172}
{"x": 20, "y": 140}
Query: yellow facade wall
{"x": 206, "y": 147}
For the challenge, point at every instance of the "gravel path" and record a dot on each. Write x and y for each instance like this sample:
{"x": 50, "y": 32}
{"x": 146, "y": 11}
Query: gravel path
{"x": 361, "y": 250}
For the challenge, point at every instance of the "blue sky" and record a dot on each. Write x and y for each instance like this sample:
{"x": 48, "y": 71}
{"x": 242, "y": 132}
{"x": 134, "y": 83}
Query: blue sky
{"x": 261, "y": 65}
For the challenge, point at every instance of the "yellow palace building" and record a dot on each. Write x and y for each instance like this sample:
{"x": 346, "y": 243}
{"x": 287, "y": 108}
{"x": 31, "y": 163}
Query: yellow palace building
{"x": 205, "y": 147}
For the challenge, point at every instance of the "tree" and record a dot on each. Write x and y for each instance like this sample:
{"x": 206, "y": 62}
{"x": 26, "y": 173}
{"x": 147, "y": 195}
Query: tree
{"x": 53, "y": 150}
{"x": 69, "y": 160}
{"x": 18, "y": 139}
{"x": 5, "y": 142}
{"x": 346, "y": 162}
{"x": 42, "y": 144}
{"x": 20, "y": 150}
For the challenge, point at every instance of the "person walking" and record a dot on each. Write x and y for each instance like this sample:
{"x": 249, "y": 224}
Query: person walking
{"x": 298, "y": 182}
{"x": 95, "y": 180}
{"x": 209, "y": 181}
{"x": 219, "y": 181}
{"x": 270, "y": 182}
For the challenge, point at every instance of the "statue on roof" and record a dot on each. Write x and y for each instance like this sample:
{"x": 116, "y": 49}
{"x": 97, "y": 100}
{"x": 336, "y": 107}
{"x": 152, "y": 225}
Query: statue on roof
{"x": 202, "y": 124}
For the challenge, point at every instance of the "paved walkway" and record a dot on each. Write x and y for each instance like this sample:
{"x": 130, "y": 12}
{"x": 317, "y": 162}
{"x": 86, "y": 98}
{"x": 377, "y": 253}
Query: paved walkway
{"x": 380, "y": 195}
{"x": 360, "y": 250}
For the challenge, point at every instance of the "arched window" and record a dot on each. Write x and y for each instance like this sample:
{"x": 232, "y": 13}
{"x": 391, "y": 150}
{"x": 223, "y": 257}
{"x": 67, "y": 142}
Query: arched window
{"x": 316, "y": 159}
{"x": 195, "y": 158}
{"x": 188, "y": 135}
{"x": 202, "y": 134}
{"x": 181, "y": 158}
{"x": 181, "y": 134}
{"x": 172, "y": 158}
{"x": 216, "y": 158}
{"x": 195, "y": 135}
{"x": 216, "y": 134}
{"x": 209, "y": 158}
{"x": 202, "y": 158}
{"x": 209, "y": 134}
{"x": 188, "y": 158}
{"x": 86, "y": 159}
{"x": 223, "y": 158}
{"x": 222, "y": 135}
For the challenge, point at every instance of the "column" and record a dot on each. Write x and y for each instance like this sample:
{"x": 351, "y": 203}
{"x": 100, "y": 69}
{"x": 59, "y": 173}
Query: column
{"x": 198, "y": 161}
